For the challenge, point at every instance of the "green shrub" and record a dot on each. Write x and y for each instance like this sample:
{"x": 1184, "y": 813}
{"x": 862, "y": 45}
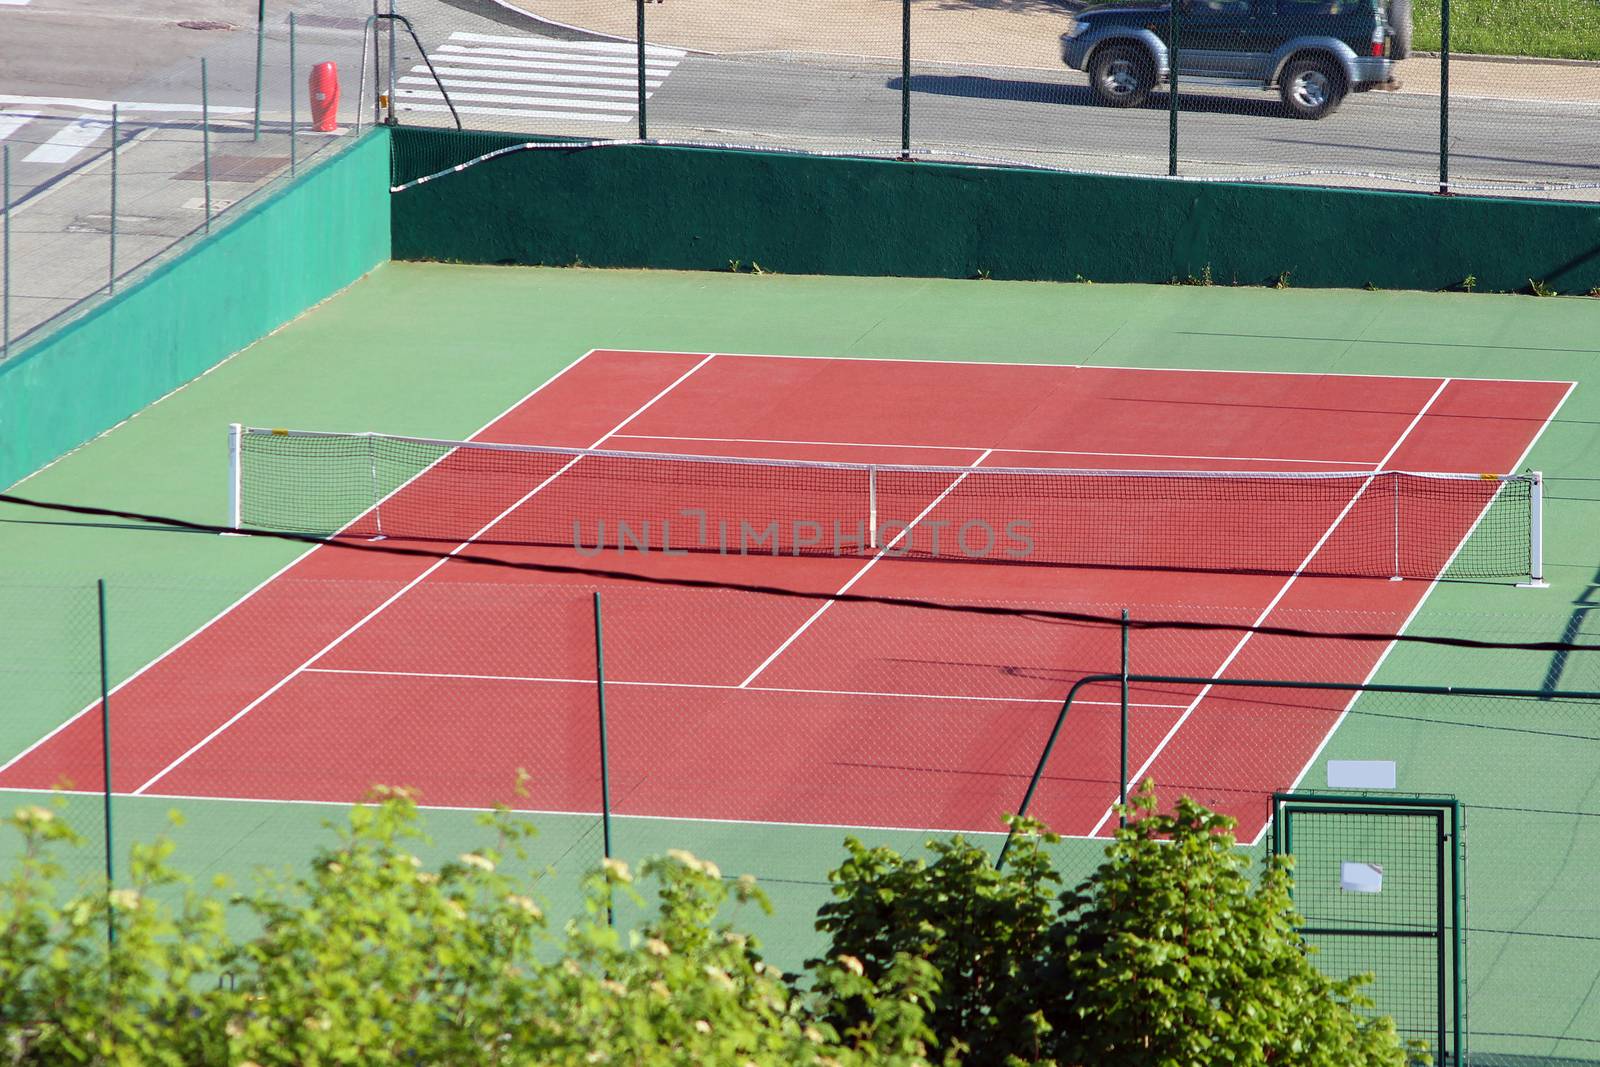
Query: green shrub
{"x": 1169, "y": 953}
{"x": 370, "y": 957}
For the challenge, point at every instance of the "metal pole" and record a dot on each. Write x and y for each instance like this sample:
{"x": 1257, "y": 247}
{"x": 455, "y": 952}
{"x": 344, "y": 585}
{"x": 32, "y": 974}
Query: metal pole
{"x": 1536, "y": 534}
{"x": 5, "y": 251}
{"x": 205, "y": 137}
{"x": 235, "y": 475}
{"x": 605, "y": 771}
{"x": 261, "y": 34}
{"x": 1172, "y": 88}
{"x": 293, "y": 92}
{"x": 111, "y": 278}
{"x": 1459, "y": 985}
{"x": 1044, "y": 758}
{"x": 638, "y": 6}
{"x": 1122, "y": 777}
{"x": 872, "y": 506}
{"x": 1443, "y": 990}
{"x": 392, "y": 61}
{"x": 1444, "y": 98}
{"x": 905, "y": 79}
{"x": 105, "y": 753}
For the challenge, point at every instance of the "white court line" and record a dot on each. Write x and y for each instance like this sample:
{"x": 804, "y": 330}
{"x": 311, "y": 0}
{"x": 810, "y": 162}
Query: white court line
{"x": 493, "y": 98}
{"x": 1116, "y": 367}
{"x": 451, "y": 676}
{"x": 536, "y": 78}
{"x": 1344, "y": 713}
{"x": 595, "y": 814}
{"x": 12, "y": 121}
{"x": 275, "y": 575}
{"x": 1139, "y": 774}
{"x": 464, "y": 83}
{"x": 845, "y": 588}
{"x": 69, "y": 141}
{"x": 15, "y": 3}
{"x": 413, "y": 583}
{"x": 87, "y": 104}
{"x": 1009, "y": 451}
{"x": 577, "y": 46}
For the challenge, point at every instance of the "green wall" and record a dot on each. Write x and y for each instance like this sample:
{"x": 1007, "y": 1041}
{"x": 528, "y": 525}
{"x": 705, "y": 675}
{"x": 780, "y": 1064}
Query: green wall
{"x": 298, "y": 246}
{"x": 699, "y": 209}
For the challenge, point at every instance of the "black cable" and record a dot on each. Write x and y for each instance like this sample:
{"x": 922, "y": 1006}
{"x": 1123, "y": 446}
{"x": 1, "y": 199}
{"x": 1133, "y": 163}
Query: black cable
{"x": 601, "y": 574}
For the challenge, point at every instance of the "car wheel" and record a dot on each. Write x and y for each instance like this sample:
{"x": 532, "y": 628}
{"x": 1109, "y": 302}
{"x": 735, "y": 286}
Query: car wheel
{"x": 1122, "y": 75}
{"x": 1400, "y": 24}
{"x": 1311, "y": 88}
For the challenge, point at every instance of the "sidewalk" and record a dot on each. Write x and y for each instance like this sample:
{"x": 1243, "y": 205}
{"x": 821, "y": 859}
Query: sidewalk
{"x": 986, "y": 33}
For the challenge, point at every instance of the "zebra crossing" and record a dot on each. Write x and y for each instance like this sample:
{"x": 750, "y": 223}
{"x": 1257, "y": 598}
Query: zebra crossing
{"x": 536, "y": 78}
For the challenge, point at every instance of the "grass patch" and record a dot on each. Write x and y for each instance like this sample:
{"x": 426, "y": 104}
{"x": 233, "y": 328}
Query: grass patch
{"x": 1556, "y": 29}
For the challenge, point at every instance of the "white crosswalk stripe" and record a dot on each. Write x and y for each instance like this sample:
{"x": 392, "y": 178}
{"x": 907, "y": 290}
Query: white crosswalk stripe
{"x": 536, "y": 77}
{"x": 73, "y": 139}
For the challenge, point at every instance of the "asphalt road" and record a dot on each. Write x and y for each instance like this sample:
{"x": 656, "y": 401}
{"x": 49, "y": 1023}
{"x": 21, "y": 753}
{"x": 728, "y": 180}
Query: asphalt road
{"x": 64, "y": 62}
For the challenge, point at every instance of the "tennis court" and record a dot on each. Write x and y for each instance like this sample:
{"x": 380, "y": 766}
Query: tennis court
{"x": 734, "y": 705}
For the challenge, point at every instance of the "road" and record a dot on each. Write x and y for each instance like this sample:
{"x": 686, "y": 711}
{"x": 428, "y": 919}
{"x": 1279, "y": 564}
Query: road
{"x": 63, "y": 63}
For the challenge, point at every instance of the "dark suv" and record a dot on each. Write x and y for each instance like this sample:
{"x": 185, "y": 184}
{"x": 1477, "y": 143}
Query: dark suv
{"x": 1313, "y": 52}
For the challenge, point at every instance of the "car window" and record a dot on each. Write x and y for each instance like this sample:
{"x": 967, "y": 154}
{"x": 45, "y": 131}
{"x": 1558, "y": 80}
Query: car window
{"x": 1221, "y": 7}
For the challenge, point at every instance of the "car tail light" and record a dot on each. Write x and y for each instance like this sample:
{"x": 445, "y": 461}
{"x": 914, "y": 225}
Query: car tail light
{"x": 1377, "y": 48}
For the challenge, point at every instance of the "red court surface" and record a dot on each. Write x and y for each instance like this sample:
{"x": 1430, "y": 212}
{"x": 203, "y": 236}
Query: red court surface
{"x": 354, "y": 668}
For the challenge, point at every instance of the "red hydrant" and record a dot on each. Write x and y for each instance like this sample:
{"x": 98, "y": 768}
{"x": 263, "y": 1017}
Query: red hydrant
{"x": 325, "y": 97}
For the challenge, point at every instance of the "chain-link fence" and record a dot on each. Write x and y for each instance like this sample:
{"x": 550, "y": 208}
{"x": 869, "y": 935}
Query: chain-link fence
{"x": 1364, "y": 93}
{"x": 95, "y": 194}
{"x": 761, "y": 729}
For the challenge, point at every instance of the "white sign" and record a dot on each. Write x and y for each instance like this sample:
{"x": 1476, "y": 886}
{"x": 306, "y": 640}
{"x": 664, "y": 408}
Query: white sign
{"x": 1361, "y": 877}
{"x": 1361, "y": 774}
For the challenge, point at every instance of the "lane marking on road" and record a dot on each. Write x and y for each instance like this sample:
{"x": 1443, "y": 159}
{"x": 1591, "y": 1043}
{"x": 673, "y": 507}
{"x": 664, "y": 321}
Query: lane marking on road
{"x": 12, "y": 121}
{"x": 536, "y": 77}
{"x": 69, "y": 141}
{"x": 89, "y": 104}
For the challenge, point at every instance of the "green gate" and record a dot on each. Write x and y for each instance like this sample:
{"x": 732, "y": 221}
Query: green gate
{"x": 1378, "y": 881}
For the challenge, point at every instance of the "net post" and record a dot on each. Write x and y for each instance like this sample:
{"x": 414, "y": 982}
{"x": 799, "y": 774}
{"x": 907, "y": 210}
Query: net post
{"x": 235, "y": 476}
{"x": 1395, "y": 478}
{"x": 605, "y": 770}
{"x": 1535, "y": 533}
{"x": 372, "y": 478}
{"x": 872, "y": 506}
{"x": 105, "y": 756}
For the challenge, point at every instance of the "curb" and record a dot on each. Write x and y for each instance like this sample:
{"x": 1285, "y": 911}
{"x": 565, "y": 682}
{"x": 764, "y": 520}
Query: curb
{"x": 584, "y": 34}
{"x": 1473, "y": 57}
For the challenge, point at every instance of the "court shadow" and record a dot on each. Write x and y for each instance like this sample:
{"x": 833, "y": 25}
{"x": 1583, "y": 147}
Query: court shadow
{"x": 1587, "y": 603}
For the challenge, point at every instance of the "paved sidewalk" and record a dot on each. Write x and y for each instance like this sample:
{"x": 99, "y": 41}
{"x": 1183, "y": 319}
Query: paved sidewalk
{"x": 987, "y": 33}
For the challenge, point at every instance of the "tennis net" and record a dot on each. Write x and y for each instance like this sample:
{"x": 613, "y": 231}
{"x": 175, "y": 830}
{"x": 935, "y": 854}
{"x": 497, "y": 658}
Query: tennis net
{"x": 1387, "y": 524}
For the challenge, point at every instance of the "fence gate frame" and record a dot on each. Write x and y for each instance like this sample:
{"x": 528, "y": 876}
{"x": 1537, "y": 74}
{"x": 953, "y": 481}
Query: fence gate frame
{"x": 1445, "y": 815}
